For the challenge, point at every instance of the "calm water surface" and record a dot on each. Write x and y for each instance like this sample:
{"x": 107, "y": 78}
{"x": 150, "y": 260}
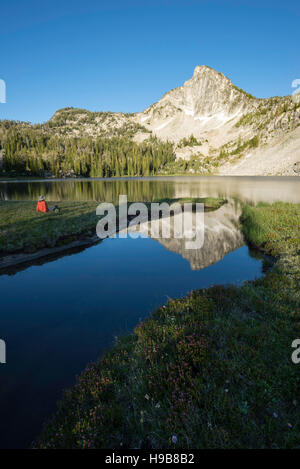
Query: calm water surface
{"x": 57, "y": 316}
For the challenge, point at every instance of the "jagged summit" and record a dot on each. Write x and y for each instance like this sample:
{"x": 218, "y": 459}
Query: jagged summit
{"x": 202, "y": 68}
{"x": 204, "y": 102}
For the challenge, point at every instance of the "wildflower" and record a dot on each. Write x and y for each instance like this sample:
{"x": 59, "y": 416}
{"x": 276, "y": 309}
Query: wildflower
{"x": 289, "y": 425}
{"x": 226, "y": 390}
{"x": 174, "y": 439}
{"x": 275, "y": 415}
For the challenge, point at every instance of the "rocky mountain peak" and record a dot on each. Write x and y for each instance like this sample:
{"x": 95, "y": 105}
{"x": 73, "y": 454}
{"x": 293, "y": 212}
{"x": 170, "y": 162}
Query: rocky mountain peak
{"x": 200, "y": 69}
{"x": 205, "y": 102}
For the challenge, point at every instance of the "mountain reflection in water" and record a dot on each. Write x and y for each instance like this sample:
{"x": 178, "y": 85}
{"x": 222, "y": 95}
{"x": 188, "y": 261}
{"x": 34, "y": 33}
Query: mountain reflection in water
{"x": 221, "y": 236}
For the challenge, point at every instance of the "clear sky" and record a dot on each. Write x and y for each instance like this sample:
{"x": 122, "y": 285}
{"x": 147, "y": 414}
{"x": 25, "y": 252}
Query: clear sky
{"x": 123, "y": 55}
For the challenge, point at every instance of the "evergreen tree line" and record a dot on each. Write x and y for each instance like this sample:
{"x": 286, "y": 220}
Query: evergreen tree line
{"x": 28, "y": 150}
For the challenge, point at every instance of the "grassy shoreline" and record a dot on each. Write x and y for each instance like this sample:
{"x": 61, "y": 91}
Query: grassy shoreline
{"x": 24, "y": 230}
{"x": 212, "y": 369}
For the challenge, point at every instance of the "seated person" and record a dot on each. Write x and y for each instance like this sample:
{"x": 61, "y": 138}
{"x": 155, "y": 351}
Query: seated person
{"x": 42, "y": 206}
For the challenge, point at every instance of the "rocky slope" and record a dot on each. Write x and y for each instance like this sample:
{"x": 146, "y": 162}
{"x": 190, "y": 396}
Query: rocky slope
{"x": 80, "y": 122}
{"x": 280, "y": 157}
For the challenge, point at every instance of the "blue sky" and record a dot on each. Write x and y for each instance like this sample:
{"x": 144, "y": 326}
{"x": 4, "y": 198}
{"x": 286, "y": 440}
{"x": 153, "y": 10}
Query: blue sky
{"x": 123, "y": 55}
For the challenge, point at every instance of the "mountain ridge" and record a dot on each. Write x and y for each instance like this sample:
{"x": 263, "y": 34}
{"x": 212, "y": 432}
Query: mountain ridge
{"x": 215, "y": 127}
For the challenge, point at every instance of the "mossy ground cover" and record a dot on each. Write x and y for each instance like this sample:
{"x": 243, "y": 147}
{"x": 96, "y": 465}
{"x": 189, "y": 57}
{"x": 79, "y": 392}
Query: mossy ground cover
{"x": 22, "y": 229}
{"x": 274, "y": 228}
{"x": 212, "y": 370}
